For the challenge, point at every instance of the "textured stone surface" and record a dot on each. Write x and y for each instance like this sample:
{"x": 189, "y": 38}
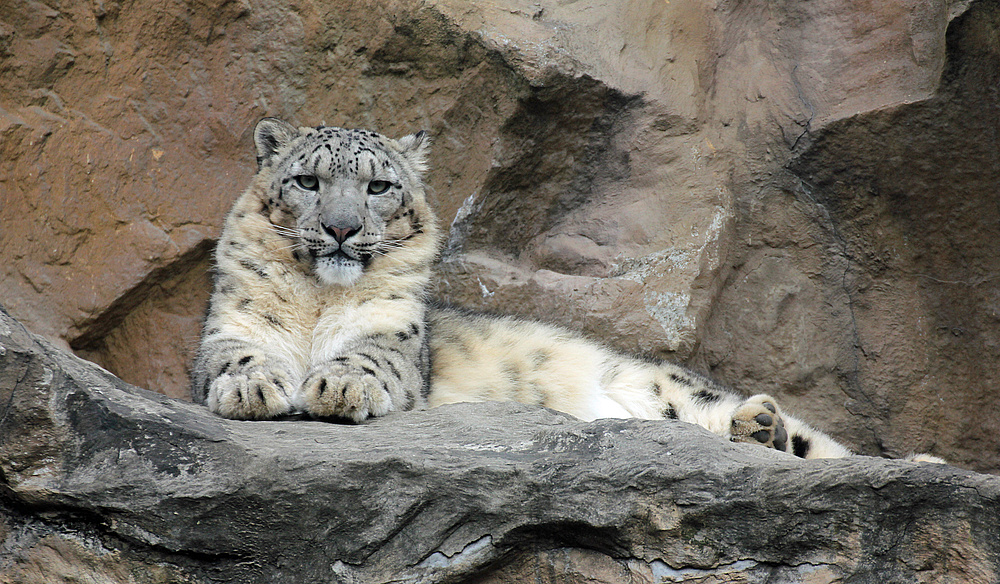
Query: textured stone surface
{"x": 911, "y": 193}
{"x": 102, "y": 481}
{"x": 796, "y": 198}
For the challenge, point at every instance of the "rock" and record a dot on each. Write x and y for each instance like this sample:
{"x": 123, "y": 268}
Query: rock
{"x": 769, "y": 194}
{"x": 910, "y": 193}
{"x": 105, "y": 481}
{"x": 795, "y": 198}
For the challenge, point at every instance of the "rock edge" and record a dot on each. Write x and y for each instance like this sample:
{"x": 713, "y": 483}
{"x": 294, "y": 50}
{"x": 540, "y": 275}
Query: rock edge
{"x": 452, "y": 493}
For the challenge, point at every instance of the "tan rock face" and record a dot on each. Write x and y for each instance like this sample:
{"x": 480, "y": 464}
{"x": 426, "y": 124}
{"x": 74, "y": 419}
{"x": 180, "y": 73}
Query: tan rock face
{"x": 794, "y": 198}
{"x": 912, "y": 196}
{"x": 57, "y": 559}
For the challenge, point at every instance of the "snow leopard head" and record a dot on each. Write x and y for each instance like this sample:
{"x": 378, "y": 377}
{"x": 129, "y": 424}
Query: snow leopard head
{"x": 351, "y": 200}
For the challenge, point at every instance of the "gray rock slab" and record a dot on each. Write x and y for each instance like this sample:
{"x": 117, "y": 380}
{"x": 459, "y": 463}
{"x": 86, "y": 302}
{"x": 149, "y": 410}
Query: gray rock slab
{"x": 454, "y": 493}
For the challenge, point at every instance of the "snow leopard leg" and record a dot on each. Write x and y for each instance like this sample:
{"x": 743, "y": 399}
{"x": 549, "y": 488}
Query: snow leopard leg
{"x": 237, "y": 379}
{"x": 759, "y": 420}
{"x": 377, "y": 374}
{"x": 690, "y": 397}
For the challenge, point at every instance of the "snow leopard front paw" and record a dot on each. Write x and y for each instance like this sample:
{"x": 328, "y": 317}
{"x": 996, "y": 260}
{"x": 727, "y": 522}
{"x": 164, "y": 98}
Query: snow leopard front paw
{"x": 758, "y": 421}
{"x": 251, "y": 388}
{"x": 343, "y": 389}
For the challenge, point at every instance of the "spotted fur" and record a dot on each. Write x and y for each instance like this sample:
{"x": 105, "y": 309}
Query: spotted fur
{"x": 321, "y": 271}
{"x": 319, "y": 307}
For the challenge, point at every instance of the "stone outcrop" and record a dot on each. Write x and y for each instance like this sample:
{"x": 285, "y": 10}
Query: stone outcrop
{"x": 795, "y": 198}
{"x": 105, "y": 482}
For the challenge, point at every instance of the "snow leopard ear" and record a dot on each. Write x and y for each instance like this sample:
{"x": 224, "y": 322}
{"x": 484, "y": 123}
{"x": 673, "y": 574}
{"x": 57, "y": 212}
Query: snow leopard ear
{"x": 415, "y": 148}
{"x": 271, "y": 135}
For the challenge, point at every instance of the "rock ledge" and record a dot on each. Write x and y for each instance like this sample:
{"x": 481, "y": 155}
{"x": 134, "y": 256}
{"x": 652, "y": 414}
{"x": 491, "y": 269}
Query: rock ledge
{"x": 134, "y": 483}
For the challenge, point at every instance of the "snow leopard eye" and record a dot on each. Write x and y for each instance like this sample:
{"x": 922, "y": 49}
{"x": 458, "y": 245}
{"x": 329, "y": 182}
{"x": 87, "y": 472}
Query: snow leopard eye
{"x": 307, "y": 182}
{"x": 377, "y": 187}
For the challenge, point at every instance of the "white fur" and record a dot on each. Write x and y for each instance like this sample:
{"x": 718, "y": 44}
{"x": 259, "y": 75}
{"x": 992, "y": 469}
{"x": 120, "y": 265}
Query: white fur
{"x": 327, "y": 321}
{"x": 338, "y": 272}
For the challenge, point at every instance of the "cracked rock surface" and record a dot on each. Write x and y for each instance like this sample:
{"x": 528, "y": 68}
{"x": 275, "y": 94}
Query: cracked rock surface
{"x": 106, "y": 481}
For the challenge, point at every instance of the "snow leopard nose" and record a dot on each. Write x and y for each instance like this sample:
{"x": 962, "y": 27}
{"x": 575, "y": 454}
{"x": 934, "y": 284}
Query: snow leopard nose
{"x": 340, "y": 233}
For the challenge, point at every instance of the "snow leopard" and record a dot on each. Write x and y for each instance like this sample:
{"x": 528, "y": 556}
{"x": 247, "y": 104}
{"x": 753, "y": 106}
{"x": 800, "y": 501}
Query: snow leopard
{"x": 320, "y": 308}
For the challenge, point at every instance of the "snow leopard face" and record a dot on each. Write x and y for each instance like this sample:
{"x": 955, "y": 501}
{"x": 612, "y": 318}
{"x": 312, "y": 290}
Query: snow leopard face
{"x": 346, "y": 197}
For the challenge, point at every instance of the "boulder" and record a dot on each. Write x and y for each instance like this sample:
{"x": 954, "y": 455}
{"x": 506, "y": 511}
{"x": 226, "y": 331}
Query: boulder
{"x": 102, "y": 481}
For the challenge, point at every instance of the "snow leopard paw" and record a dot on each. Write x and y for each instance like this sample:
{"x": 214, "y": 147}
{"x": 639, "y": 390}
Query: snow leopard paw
{"x": 250, "y": 387}
{"x": 341, "y": 388}
{"x": 758, "y": 421}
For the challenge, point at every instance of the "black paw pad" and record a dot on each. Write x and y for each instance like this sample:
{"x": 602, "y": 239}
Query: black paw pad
{"x": 780, "y": 436}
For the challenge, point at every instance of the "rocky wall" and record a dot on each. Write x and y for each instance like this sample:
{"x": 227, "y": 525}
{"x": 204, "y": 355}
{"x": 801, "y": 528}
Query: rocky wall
{"x": 795, "y": 198}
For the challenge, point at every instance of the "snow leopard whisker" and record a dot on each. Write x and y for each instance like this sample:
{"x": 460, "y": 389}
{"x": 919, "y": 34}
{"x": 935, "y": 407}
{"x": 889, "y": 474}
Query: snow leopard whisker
{"x": 281, "y": 230}
{"x": 387, "y": 256}
{"x": 298, "y": 245}
{"x": 386, "y": 251}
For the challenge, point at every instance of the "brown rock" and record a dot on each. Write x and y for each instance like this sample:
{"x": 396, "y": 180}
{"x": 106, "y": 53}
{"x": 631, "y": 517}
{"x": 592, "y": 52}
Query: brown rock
{"x": 771, "y": 193}
{"x": 908, "y": 196}
{"x": 56, "y": 559}
{"x": 129, "y": 337}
